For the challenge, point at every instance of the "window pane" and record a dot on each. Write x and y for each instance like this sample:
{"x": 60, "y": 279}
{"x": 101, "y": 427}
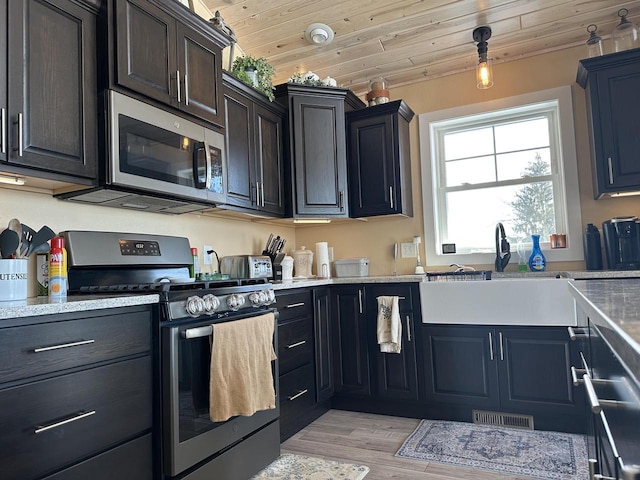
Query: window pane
{"x": 468, "y": 143}
{"x": 524, "y": 210}
{"x": 527, "y": 134}
{"x": 474, "y": 170}
{"x": 530, "y": 163}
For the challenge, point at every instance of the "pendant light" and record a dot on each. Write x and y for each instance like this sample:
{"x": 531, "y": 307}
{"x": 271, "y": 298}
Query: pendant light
{"x": 484, "y": 72}
{"x": 594, "y": 42}
{"x": 625, "y": 35}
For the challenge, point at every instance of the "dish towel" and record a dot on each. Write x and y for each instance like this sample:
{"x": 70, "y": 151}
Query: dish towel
{"x": 241, "y": 381}
{"x": 389, "y": 325}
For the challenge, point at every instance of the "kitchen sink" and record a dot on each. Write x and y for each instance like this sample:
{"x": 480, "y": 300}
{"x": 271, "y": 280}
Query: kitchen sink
{"x": 503, "y": 301}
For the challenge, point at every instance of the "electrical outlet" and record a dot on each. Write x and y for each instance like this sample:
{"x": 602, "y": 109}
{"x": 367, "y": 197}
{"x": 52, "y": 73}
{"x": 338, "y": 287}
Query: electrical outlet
{"x": 206, "y": 257}
{"x": 408, "y": 250}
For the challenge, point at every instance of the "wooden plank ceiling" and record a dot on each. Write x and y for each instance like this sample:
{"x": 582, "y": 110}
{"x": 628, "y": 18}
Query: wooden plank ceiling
{"x": 407, "y": 41}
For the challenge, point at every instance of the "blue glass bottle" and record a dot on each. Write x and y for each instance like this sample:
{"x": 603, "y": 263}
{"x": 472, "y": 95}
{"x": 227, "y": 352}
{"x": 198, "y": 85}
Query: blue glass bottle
{"x": 537, "y": 262}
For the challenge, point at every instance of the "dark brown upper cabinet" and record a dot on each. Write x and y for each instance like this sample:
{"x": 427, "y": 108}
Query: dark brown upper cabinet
{"x": 48, "y": 89}
{"x": 612, "y": 83}
{"x": 379, "y": 160}
{"x": 254, "y": 150}
{"x": 167, "y": 53}
{"x": 316, "y": 149}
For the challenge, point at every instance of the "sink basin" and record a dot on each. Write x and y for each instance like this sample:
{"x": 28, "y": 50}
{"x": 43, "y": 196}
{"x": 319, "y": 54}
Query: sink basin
{"x": 507, "y": 301}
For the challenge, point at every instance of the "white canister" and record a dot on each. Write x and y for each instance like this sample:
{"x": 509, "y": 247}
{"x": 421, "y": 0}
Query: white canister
{"x": 13, "y": 279}
{"x": 302, "y": 262}
{"x": 287, "y": 268}
{"x": 323, "y": 264}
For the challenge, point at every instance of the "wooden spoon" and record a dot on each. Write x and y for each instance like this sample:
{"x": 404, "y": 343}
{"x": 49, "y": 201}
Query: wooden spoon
{"x": 16, "y": 226}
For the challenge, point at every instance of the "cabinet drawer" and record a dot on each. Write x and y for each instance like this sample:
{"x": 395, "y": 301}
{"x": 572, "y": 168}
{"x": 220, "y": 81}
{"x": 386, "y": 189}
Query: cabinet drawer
{"x": 292, "y": 305}
{"x": 297, "y": 393}
{"x": 295, "y": 344}
{"x": 49, "y": 424}
{"x": 130, "y": 461}
{"x": 33, "y": 350}
{"x": 405, "y": 303}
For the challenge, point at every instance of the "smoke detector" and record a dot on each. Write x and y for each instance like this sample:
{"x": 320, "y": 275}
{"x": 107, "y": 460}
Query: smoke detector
{"x": 319, "y": 34}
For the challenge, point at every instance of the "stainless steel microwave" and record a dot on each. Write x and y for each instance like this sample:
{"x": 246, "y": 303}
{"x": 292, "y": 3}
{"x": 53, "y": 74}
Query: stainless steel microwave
{"x": 155, "y": 160}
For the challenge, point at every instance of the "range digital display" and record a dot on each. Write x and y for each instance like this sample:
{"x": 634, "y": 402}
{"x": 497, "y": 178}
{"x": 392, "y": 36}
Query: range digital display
{"x": 139, "y": 248}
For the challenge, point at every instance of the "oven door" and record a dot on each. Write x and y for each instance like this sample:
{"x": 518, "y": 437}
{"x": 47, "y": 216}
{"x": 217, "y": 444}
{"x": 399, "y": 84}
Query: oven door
{"x": 154, "y": 150}
{"x": 189, "y": 437}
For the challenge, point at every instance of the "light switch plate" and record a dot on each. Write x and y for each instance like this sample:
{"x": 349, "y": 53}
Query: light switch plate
{"x": 408, "y": 250}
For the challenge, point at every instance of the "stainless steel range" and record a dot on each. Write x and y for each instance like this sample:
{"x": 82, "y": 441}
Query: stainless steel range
{"x": 188, "y": 444}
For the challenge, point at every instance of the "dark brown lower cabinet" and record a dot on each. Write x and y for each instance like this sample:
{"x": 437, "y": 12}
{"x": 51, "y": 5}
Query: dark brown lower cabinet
{"x": 519, "y": 370}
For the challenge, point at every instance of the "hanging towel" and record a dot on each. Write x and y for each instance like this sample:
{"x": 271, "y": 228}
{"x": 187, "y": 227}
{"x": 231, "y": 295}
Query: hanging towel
{"x": 389, "y": 325}
{"x": 241, "y": 380}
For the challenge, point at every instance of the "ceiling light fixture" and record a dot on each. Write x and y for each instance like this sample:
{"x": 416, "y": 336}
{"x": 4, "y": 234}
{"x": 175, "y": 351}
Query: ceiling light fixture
{"x": 12, "y": 180}
{"x": 484, "y": 72}
{"x": 319, "y": 34}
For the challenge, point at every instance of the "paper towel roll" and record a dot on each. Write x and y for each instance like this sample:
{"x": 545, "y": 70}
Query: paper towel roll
{"x": 323, "y": 265}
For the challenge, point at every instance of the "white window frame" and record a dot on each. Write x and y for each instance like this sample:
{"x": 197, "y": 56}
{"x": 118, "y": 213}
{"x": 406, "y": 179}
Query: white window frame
{"x": 568, "y": 210}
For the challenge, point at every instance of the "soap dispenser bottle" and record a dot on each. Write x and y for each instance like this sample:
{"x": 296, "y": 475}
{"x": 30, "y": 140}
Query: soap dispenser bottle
{"x": 537, "y": 262}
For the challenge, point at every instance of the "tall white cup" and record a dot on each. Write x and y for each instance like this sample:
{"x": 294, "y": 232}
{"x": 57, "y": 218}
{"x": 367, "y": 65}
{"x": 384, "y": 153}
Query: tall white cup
{"x": 13, "y": 279}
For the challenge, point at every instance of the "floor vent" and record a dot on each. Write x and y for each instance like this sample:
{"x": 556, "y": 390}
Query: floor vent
{"x": 503, "y": 419}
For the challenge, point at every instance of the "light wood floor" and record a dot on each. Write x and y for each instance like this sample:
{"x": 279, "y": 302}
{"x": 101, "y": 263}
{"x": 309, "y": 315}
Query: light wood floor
{"x": 373, "y": 440}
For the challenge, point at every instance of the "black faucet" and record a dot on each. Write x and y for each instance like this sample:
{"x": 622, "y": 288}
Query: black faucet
{"x": 503, "y": 249}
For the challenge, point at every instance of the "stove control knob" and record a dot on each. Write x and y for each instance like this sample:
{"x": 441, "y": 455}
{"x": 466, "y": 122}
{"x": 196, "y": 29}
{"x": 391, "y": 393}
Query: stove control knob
{"x": 211, "y": 303}
{"x": 195, "y": 306}
{"x": 256, "y": 299}
{"x": 235, "y": 301}
{"x": 271, "y": 297}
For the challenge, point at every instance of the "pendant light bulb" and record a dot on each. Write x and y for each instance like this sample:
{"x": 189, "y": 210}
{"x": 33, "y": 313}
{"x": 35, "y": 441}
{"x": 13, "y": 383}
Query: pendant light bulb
{"x": 484, "y": 72}
{"x": 484, "y": 75}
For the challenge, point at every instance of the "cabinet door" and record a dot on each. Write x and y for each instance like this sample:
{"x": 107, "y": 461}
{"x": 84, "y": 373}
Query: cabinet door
{"x": 4, "y": 114}
{"x": 460, "y": 365}
{"x": 372, "y": 169}
{"x": 324, "y": 357}
{"x": 351, "y": 360}
{"x": 618, "y": 143}
{"x": 320, "y": 156}
{"x": 52, "y": 86}
{"x": 269, "y": 168}
{"x": 535, "y": 369}
{"x": 146, "y": 50}
{"x": 240, "y": 156}
{"x": 199, "y": 64}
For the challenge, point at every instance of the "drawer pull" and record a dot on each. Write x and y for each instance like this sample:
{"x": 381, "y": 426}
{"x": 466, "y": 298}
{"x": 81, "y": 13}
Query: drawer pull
{"x": 63, "y": 345}
{"x": 408, "y": 328}
{"x": 297, "y": 344}
{"x": 299, "y": 394}
{"x": 294, "y": 305}
{"x": 78, "y": 416}
{"x": 596, "y": 403}
{"x": 577, "y": 332}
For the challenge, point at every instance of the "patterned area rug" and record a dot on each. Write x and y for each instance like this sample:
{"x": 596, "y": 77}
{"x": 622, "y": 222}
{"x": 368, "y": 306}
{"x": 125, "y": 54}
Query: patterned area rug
{"x": 535, "y": 453}
{"x": 299, "y": 467}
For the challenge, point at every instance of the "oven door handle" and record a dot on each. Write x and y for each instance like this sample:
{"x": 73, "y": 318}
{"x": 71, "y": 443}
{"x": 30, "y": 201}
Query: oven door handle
{"x": 197, "y": 332}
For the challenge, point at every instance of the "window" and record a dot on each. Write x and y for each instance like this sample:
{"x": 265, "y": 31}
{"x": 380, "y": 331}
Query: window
{"x": 511, "y": 161}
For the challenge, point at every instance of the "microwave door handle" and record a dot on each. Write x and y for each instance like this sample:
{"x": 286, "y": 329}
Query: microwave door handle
{"x": 196, "y": 157}
{"x": 207, "y": 156}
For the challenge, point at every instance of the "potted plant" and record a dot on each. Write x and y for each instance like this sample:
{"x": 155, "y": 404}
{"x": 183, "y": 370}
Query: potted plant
{"x": 256, "y": 72}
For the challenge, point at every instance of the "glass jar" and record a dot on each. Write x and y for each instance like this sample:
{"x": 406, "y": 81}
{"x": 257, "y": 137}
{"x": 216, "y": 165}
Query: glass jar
{"x": 625, "y": 35}
{"x": 594, "y": 42}
{"x": 378, "y": 91}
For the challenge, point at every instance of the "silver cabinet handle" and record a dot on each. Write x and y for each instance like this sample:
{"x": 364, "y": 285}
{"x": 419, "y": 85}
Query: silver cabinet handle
{"x": 610, "y": 170}
{"x": 258, "y": 194}
{"x": 574, "y": 375}
{"x": 408, "y": 328}
{"x": 295, "y": 305}
{"x": 299, "y": 394}
{"x": 577, "y": 332}
{"x": 341, "y": 200}
{"x": 262, "y": 194}
{"x": 62, "y": 345}
{"x": 501, "y": 348}
{"x": 197, "y": 332}
{"x": 294, "y": 345}
{"x": 178, "y": 85}
{"x": 360, "y": 300}
{"x": 186, "y": 90}
{"x": 391, "y": 195}
{"x": 631, "y": 472}
{"x": 78, "y": 416}
{"x": 19, "y": 123}
{"x": 3, "y": 135}
{"x": 491, "y": 346}
{"x": 596, "y": 403}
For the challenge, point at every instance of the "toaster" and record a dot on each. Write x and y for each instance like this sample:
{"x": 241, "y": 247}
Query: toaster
{"x": 247, "y": 266}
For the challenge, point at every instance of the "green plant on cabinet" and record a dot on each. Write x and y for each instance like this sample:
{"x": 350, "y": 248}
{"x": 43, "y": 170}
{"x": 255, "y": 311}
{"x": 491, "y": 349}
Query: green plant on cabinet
{"x": 264, "y": 72}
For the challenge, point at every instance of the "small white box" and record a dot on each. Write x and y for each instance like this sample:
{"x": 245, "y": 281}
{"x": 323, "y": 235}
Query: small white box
{"x": 352, "y": 267}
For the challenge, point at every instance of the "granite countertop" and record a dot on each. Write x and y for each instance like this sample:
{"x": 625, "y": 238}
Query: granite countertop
{"x": 318, "y": 282}
{"x": 614, "y": 306}
{"x": 44, "y": 306}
